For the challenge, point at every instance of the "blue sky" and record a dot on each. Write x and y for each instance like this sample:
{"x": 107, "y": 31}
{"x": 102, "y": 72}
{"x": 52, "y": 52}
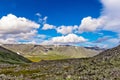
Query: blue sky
{"x": 59, "y": 12}
{"x": 73, "y": 22}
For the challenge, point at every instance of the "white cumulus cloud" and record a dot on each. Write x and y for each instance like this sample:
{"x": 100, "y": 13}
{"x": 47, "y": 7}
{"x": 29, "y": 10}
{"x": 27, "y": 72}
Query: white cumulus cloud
{"x": 8, "y": 41}
{"x": 68, "y": 39}
{"x": 109, "y": 19}
{"x": 66, "y": 29}
{"x": 48, "y": 26}
{"x": 12, "y": 24}
{"x": 90, "y": 24}
{"x": 16, "y": 28}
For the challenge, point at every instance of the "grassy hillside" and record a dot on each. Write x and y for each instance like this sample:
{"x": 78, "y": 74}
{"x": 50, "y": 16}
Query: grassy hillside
{"x": 7, "y": 56}
{"x": 50, "y": 56}
{"x": 105, "y": 66}
{"x": 42, "y": 52}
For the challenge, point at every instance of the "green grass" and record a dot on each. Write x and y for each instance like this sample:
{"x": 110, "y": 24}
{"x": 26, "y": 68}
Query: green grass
{"x": 33, "y": 58}
{"x": 12, "y": 58}
{"x": 38, "y": 58}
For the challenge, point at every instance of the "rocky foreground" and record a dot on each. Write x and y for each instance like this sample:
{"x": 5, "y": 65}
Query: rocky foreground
{"x": 105, "y": 66}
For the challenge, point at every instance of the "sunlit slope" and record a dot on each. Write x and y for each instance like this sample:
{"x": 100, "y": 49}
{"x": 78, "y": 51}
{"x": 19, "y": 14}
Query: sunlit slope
{"x": 40, "y": 52}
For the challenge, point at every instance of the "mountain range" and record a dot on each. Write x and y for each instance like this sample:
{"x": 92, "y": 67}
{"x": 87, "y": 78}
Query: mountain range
{"x": 51, "y": 52}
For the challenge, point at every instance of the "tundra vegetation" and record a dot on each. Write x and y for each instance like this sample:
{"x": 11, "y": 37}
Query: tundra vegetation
{"x": 104, "y": 66}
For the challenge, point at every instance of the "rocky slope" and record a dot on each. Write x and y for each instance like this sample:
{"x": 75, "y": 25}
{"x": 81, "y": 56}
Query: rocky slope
{"x": 109, "y": 54}
{"x": 105, "y": 66}
{"x": 7, "y": 56}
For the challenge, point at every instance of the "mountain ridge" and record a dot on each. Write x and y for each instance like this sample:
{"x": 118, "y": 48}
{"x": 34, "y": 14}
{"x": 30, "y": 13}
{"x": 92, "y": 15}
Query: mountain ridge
{"x": 9, "y": 56}
{"x": 37, "y": 53}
